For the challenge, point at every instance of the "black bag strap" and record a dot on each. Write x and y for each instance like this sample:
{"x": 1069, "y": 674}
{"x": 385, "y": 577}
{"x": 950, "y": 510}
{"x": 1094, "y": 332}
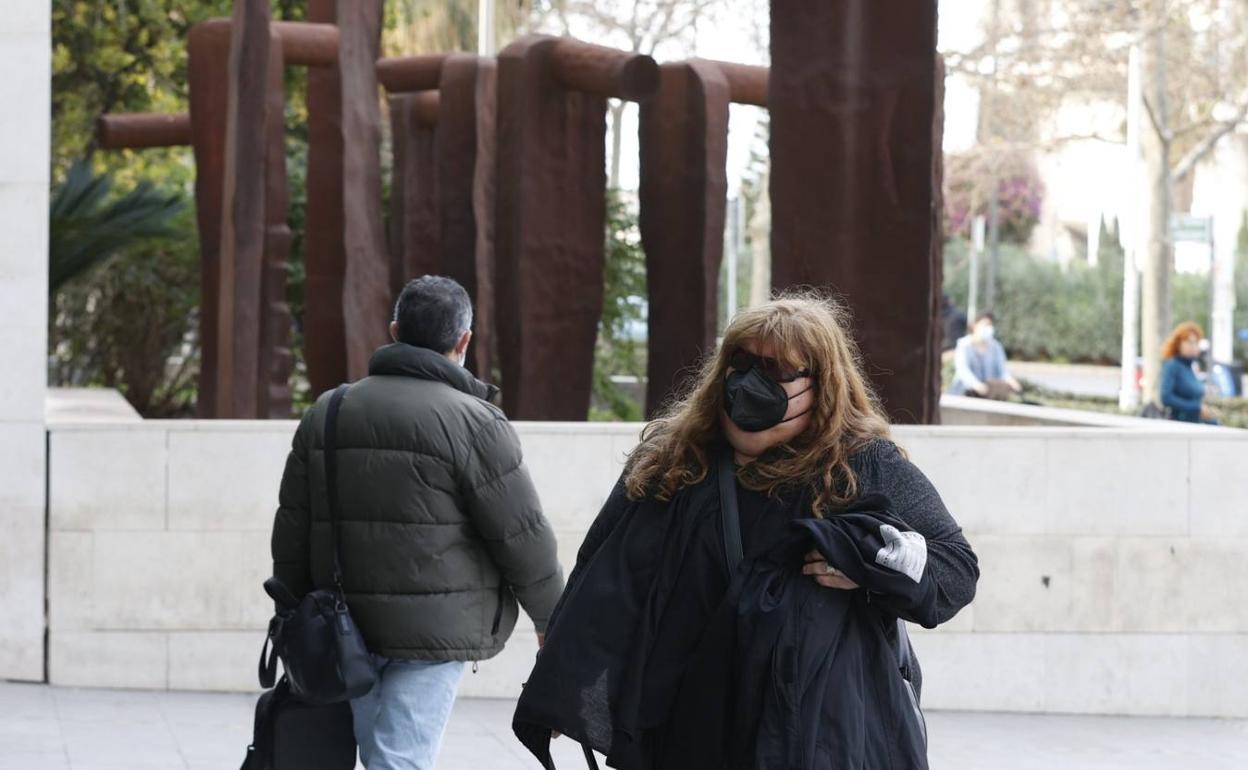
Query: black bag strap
{"x": 730, "y": 516}
{"x": 331, "y": 480}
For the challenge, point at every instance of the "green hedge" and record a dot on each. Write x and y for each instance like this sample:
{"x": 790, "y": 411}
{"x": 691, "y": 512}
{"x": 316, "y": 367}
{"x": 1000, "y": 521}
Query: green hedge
{"x": 1047, "y": 312}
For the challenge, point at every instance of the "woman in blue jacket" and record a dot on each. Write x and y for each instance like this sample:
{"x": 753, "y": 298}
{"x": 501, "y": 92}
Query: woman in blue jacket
{"x": 1181, "y": 390}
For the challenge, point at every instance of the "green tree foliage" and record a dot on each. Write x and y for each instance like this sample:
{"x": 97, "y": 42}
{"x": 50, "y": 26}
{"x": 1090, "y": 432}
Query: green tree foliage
{"x": 621, "y": 342}
{"x": 131, "y": 325}
{"x": 1047, "y": 312}
{"x": 121, "y": 56}
{"x": 86, "y": 227}
{"x": 426, "y": 26}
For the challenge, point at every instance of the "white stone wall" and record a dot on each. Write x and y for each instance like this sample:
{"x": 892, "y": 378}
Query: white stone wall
{"x": 25, "y": 93}
{"x": 1113, "y": 560}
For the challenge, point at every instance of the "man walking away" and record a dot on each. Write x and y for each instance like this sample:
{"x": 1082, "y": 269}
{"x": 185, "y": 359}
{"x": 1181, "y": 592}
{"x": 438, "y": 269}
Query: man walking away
{"x": 441, "y": 529}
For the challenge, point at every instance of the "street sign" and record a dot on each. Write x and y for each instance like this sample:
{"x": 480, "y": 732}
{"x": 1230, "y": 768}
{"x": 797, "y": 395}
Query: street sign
{"x": 1185, "y": 228}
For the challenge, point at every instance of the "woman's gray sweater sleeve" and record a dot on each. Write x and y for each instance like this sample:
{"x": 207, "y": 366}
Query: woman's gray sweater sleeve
{"x": 951, "y": 563}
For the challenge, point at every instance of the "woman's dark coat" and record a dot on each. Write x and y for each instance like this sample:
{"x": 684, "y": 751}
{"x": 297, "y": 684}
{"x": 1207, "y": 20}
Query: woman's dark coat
{"x": 656, "y": 659}
{"x": 1181, "y": 389}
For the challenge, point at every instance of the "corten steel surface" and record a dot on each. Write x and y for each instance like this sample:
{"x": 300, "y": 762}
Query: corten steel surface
{"x": 747, "y": 83}
{"x": 136, "y": 130}
{"x": 684, "y": 148}
{"x": 243, "y": 209}
{"x": 602, "y": 71}
{"x": 208, "y": 52}
{"x": 484, "y": 351}
{"x": 204, "y": 127}
{"x": 937, "y": 254}
{"x": 551, "y": 218}
{"x": 324, "y": 328}
{"x": 436, "y": 225}
{"x": 413, "y": 215}
{"x": 455, "y": 159}
{"x": 273, "y": 393}
{"x": 308, "y": 44}
{"x": 367, "y": 302}
{"x": 443, "y": 215}
{"x": 404, "y": 74}
{"x": 852, "y": 99}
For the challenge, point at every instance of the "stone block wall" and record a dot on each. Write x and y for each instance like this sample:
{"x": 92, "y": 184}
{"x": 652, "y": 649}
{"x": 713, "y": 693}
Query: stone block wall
{"x": 1112, "y": 559}
{"x": 25, "y": 93}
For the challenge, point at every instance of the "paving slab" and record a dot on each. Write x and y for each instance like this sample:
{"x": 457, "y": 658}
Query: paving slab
{"x": 56, "y": 728}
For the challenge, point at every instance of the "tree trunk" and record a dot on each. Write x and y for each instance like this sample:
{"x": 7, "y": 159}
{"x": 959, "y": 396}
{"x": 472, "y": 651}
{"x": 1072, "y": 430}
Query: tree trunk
{"x": 1155, "y": 304}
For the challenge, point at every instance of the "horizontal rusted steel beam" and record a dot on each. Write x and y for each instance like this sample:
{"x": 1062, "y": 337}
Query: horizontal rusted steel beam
{"x": 410, "y": 73}
{"x": 135, "y": 130}
{"x": 603, "y": 71}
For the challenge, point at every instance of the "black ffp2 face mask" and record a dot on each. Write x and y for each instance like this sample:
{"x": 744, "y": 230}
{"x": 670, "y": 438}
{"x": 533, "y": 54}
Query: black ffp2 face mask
{"x": 755, "y": 402}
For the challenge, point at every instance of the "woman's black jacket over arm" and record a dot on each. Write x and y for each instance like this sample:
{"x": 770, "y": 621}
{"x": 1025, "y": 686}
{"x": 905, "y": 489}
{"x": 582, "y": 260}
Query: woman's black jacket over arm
{"x": 658, "y": 658}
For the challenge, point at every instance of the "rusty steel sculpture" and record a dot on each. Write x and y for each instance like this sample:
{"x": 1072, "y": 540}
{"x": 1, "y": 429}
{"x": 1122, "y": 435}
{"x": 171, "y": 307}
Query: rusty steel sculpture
{"x": 442, "y": 194}
{"x": 552, "y": 99}
{"x": 245, "y": 360}
{"x": 499, "y": 181}
{"x": 855, "y": 153}
{"x": 684, "y": 146}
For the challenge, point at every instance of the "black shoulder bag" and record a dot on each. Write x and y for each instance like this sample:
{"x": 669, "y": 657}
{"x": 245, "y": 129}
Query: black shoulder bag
{"x": 322, "y": 650}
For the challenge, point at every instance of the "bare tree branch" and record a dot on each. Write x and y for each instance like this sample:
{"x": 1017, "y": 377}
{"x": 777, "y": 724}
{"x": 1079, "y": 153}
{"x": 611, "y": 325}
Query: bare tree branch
{"x": 1205, "y": 146}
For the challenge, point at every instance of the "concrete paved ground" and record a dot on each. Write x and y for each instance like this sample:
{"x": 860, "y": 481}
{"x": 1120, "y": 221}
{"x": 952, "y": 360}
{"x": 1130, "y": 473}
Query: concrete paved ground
{"x": 46, "y": 728}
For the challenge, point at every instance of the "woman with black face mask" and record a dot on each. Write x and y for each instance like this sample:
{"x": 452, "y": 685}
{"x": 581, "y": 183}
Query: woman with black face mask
{"x": 738, "y": 600}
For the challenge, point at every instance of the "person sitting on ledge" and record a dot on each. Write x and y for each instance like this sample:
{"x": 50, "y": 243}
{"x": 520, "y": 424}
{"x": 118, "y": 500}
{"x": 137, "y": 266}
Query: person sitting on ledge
{"x": 979, "y": 364}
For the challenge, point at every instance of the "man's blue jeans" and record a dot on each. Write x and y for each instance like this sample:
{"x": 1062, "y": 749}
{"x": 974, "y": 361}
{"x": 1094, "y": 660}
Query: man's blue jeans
{"x": 399, "y": 724}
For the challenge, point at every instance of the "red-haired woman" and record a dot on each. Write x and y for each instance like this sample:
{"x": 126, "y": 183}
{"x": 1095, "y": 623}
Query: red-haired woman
{"x": 1181, "y": 389}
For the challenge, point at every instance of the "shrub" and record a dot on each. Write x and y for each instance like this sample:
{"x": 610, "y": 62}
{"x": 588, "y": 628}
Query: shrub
{"x": 969, "y": 182}
{"x": 1047, "y": 312}
{"x": 131, "y": 324}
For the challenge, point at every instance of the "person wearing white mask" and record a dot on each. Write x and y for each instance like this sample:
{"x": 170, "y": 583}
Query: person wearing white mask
{"x": 980, "y": 364}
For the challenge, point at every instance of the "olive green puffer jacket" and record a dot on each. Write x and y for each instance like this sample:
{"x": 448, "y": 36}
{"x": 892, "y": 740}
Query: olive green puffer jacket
{"x": 441, "y": 527}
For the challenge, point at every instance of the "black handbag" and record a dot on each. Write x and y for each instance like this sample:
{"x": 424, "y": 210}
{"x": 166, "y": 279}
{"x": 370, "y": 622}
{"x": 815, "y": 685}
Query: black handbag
{"x": 322, "y": 650}
{"x": 290, "y": 734}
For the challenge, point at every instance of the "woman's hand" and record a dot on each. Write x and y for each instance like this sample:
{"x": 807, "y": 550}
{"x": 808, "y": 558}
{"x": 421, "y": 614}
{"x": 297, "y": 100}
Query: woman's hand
{"x": 825, "y": 574}
{"x": 1206, "y": 413}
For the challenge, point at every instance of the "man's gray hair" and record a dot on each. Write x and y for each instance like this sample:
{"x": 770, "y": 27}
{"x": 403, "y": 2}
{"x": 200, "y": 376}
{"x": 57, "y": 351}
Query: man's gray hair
{"x": 433, "y": 312}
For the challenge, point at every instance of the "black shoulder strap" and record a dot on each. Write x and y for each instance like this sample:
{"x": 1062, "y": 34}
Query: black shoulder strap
{"x": 331, "y": 478}
{"x": 731, "y": 519}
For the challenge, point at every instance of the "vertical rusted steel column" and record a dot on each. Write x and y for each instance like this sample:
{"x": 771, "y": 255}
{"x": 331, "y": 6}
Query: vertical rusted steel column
{"x": 243, "y": 212}
{"x": 442, "y": 219}
{"x": 324, "y": 252}
{"x": 273, "y": 395}
{"x": 367, "y": 302}
{"x": 483, "y": 354}
{"x": 853, "y": 100}
{"x": 208, "y": 55}
{"x": 205, "y": 129}
{"x": 551, "y": 215}
{"x": 457, "y": 181}
{"x": 684, "y": 149}
{"x": 413, "y": 192}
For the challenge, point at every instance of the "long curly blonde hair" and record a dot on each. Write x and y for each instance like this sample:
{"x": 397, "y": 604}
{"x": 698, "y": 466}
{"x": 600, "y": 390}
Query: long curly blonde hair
{"x": 806, "y": 329}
